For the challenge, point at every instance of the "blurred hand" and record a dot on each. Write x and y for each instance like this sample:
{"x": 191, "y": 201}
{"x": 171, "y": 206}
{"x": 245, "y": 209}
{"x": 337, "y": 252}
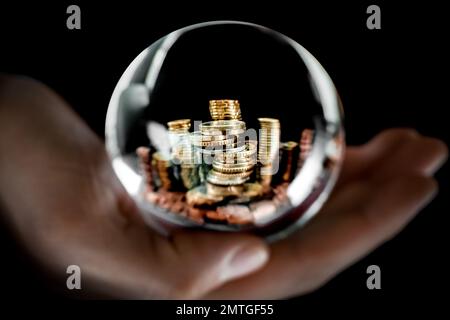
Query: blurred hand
{"x": 62, "y": 199}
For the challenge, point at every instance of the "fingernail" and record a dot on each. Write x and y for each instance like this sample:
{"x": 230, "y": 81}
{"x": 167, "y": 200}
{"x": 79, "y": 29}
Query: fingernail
{"x": 246, "y": 260}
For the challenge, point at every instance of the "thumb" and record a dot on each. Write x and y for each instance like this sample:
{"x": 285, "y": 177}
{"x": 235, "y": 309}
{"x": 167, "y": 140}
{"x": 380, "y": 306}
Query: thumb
{"x": 206, "y": 260}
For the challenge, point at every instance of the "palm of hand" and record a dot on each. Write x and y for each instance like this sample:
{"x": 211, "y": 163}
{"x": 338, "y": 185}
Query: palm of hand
{"x": 69, "y": 208}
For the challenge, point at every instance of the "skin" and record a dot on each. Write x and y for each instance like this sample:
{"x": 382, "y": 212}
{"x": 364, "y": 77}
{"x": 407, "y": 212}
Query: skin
{"x": 61, "y": 198}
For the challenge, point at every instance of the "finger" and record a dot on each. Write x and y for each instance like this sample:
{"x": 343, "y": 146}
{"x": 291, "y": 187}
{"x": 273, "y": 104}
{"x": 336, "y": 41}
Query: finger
{"x": 359, "y": 160}
{"x": 416, "y": 155}
{"x": 411, "y": 151}
{"x": 196, "y": 263}
{"x": 324, "y": 247}
{"x": 420, "y": 155}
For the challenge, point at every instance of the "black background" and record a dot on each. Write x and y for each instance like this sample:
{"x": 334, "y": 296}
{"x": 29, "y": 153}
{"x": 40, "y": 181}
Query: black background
{"x": 396, "y": 76}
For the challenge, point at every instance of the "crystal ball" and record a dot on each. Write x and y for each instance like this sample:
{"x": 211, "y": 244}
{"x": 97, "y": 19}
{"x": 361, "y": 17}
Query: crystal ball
{"x": 226, "y": 126}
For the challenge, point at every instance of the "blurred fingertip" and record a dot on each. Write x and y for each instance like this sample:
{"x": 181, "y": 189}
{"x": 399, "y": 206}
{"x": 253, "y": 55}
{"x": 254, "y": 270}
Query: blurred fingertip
{"x": 389, "y": 139}
{"x": 417, "y": 187}
{"x": 397, "y": 134}
{"x": 438, "y": 149}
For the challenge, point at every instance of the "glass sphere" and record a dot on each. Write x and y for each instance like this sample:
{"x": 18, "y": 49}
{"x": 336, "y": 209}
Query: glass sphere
{"x": 226, "y": 126}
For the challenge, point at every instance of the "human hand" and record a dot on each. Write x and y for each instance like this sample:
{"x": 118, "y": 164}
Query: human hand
{"x": 65, "y": 204}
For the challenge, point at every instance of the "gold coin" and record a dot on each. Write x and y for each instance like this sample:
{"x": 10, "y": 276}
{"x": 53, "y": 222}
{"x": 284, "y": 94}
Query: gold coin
{"x": 198, "y": 136}
{"x": 214, "y": 143}
{"x": 225, "y": 109}
{"x": 223, "y": 102}
{"x": 220, "y": 151}
{"x": 224, "y": 180}
{"x": 266, "y": 170}
{"x": 269, "y": 122}
{"x": 179, "y": 125}
{"x": 290, "y": 145}
{"x": 161, "y": 160}
{"x": 249, "y": 151}
{"x": 223, "y": 191}
{"x": 232, "y": 167}
{"x": 236, "y": 214}
{"x": 221, "y": 126}
{"x": 252, "y": 189}
{"x": 223, "y": 175}
{"x": 237, "y": 160}
{"x": 199, "y": 196}
{"x": 228, "y": 132}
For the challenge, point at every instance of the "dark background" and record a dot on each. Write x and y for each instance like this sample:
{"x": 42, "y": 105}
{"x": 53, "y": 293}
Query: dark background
{"x": 396, "y": 76}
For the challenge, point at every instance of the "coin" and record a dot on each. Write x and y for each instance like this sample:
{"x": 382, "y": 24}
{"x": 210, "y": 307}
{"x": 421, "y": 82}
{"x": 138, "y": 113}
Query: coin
{"x": 162, "y": 166}
{"x": 214, "y": 215}
{"x": 189, "y": 176}
{"x": 152, "y": 196}
{"x": 218, "y": 150}
{"x": 222, "y": 126}
{"x": 236, "y": 214}
{"x": 214, "y": 143}
{"x": 269, "y": 122}
{"x": 199, "y": 136}
{"x": 225, "y": 132}
{"x": 225, "y": 109}
{"x": 239, "y": 164}
{"x": 179, "y": 125}
{"x": 225, "y": 180}
{"x": 233, "y": 167}
{"x": 145, "y": 156}
{"x": 231, "y": 175}
{"x": 224, "y": 191}
{"x": 269, "y": 139}
{"x": 290, "y": 145}
{"x": 196, "y": 214}
{"x": 263, "y": 211}
{"x": 252, "y": 189}
{"x": 246, "y": 151}
{"x": 198, "y": 196}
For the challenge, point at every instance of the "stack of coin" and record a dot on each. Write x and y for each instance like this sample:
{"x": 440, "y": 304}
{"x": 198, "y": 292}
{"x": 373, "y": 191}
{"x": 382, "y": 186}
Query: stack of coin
{"x": 222, "y": 127}
{"x": 231, "y": 168}
{"x": 234, "y": 167}
{"x": 162, "y": 166}
{"x": 288, "y": 155}
{"x": 179, "y": 140}
{"x": 225, "y": 109}
{"x": 269, "y": 145}
{"x": 305, "y": 146}
{"x": 183, "y": 154}
{"x": 212, "y": 140}
{"x": 228, "y": 179}
{"x": 144, "y": 155}
{"x": 247, "y": 155}
{"x": 232, "y": 164}
{"x": 218, "y": 136}
{"x": 181, "y": 125}
{"x": 189, "y": 175}
{"x": 269, "y": 140}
